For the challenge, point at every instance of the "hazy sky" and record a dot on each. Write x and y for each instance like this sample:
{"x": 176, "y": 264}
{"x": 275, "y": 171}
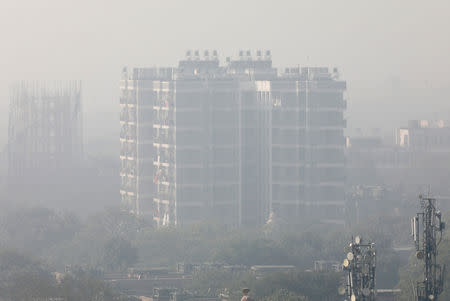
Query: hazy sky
{"x": 394, "y": 54}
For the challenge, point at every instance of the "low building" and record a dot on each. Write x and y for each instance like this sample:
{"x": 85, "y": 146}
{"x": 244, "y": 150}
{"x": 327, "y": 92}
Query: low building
{"x": 263, "y": 270}
{"x": 327, "y": 266}
{"x": 170, "y": 294}
{"x": 388, "y": 294}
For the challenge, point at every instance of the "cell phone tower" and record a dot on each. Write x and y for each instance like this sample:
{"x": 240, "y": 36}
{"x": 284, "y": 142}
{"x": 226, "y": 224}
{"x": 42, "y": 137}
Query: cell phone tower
{"x": 427, "y": 240}
{"x": 360, "y": 267}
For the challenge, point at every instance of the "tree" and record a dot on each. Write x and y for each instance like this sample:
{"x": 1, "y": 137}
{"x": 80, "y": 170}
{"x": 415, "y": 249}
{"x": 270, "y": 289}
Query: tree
{"x": 119, "y": 254}
{"x": 22, "y": 278}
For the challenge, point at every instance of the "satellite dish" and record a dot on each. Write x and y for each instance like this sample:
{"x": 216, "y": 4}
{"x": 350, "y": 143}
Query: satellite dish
{"x": 346, "y": 263}
{"x": 353, "y": 298}
{"x": 366, "y": 291}
{"x": 431, "y": 297}
{"x": 350, "y": 256}
{"x": 341, "y": 290}
{"x": 357, "y": 240}
{"x": 419, "y": 255}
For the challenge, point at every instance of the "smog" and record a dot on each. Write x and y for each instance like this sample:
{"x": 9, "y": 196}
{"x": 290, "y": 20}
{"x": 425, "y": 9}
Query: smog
{"x": 238, "y": 150}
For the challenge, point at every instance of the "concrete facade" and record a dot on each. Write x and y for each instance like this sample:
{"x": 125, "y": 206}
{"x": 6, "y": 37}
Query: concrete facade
{"x": 232, "y": 143}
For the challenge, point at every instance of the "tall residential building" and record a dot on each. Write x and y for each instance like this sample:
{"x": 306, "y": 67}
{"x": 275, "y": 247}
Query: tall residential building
{"x": 308, "y": 172}
{"x": 45, "y": 146}
{"x": 138, "y": 101}
{"x": 232, "y": 143}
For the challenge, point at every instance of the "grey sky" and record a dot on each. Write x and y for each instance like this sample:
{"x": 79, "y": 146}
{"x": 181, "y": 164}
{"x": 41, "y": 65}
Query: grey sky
{"x": 394, "y": 52}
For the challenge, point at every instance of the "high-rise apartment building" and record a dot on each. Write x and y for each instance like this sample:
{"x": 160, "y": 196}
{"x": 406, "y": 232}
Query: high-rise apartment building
{"x": 232, "y": 143}
{"x": 139, "y": 104}
{"x": 308, "y": 173}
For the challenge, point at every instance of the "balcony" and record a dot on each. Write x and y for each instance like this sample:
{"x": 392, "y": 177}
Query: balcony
{"x": 164, "y": 139}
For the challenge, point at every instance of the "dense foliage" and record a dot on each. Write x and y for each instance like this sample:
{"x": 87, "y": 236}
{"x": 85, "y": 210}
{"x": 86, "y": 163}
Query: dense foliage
{"x": 25, "y": 279}
{"x": 113, "y": 240}
{"x": 295, "y": 285}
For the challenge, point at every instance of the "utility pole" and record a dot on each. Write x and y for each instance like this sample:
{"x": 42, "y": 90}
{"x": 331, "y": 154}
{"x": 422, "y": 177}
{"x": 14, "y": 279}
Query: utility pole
{"x": 360, "y": 266}
{"x": 426, "y": 241}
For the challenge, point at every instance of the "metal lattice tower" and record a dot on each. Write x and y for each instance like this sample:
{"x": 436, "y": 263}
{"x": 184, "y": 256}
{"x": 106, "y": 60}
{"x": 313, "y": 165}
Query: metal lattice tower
{"x": 426, "y": 241}
{"x": 360, "y": 267}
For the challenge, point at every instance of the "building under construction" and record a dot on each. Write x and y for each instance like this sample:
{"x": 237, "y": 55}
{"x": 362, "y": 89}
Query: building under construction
{"x": 232, "y": 143}
{"x": 45, "y": 143}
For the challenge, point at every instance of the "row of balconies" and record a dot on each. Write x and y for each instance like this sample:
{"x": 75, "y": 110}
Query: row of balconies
{"x": 165, "y": 196}
{"x": 129, "y": 171}
{"x": 166, "y": 122}
{"x": 165, "y": 190}
{"x": 126, "y": 148}
{"x": 316, "y": 125}
{"x": 127, "y": 100}
{"x": 163, "y": 175}
{"x": 169, "y": 139}
{"x": 128, "y": 116}
{"x": 128, "y": 132}
{"x": 126, "y": 154}
{"x": 163, "y": 114}
{"x": 163, "y": 102}
{"x": 167, "y": 157}
{"x": 127, "y": 164}
{"x": 128, "y": 183}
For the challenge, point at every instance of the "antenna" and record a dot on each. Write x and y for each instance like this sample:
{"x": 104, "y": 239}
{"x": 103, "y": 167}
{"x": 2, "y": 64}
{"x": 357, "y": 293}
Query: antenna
{"x": 360, "y": 263}
{"x": 426, "y": 243}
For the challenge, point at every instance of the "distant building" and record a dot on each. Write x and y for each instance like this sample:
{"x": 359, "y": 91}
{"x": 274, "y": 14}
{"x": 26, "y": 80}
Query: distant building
{"x": 191, "y": 268}
{"x": 45, "y": 140}
{"x": 424, "y": 135}
{"x": 388, "y": 294}
{"x": 263, "y": 270}
{"x": 164, "y": 294}
{"x": 327, "y": 266}
{"x": 233, "y": 143}
{"x": 381, "y": 172}
{"x": 371, "y": 158}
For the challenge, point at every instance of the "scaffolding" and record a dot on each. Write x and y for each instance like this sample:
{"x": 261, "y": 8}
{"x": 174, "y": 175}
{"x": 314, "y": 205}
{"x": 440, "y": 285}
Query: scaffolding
{"x": 45, "y": 136}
